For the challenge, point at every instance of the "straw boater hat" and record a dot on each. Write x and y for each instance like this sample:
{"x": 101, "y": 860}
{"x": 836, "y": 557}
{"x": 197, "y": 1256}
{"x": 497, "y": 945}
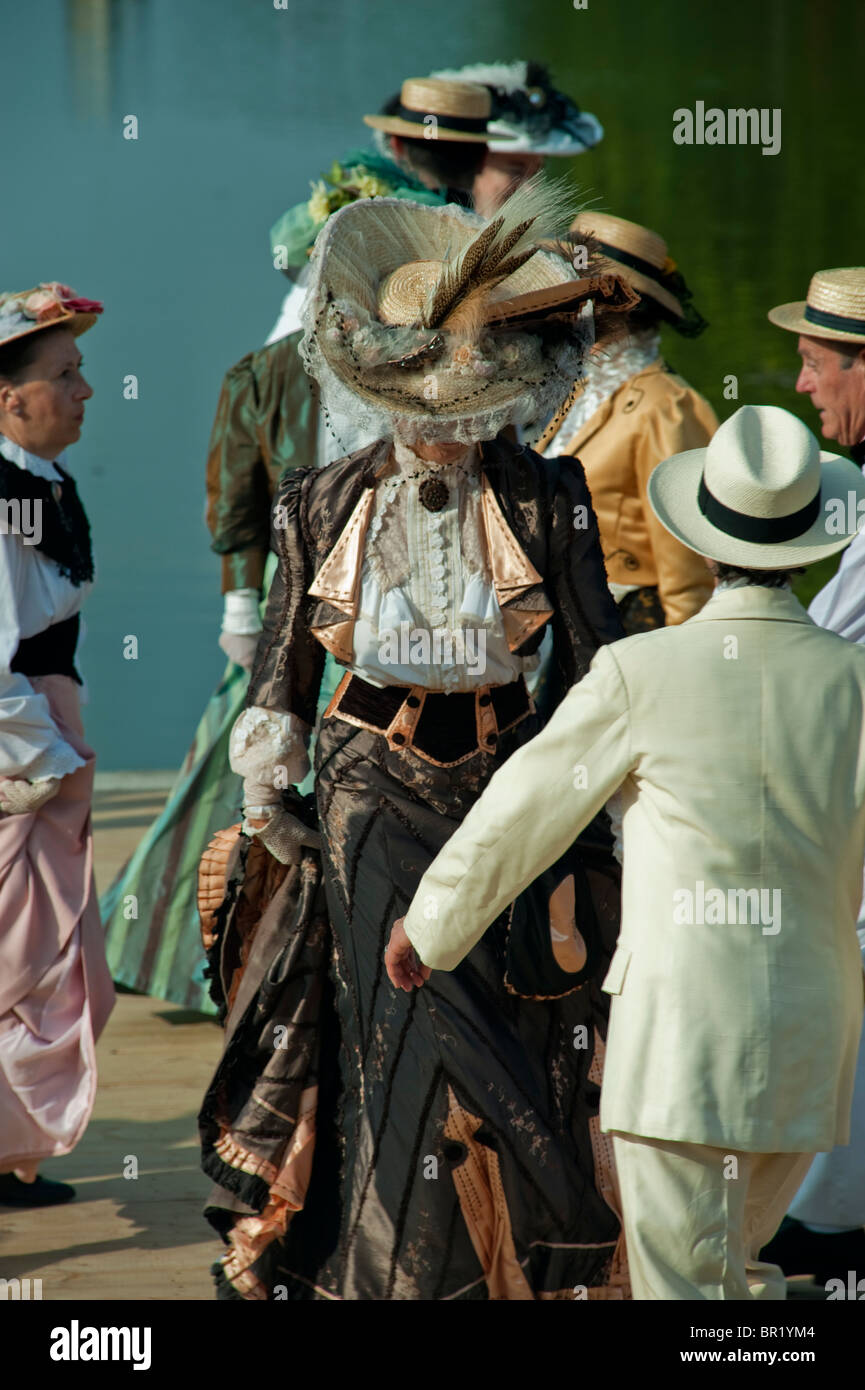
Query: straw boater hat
{"x": 640, "y": 254}
{"x": 835, "y": 307}
{"x": 461, "y": 111}
{"x": 436, "y": 317}
{"x": 761, "y": 494}
{"x": 49, "y": 305}
{"x": 529, "y": 115}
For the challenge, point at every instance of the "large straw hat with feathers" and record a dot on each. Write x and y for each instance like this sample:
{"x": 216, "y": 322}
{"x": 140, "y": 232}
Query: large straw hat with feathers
{"x": 454, "y": 323}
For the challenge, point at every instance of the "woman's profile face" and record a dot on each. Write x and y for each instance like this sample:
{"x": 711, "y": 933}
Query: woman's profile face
{"x": 43, "y": 408}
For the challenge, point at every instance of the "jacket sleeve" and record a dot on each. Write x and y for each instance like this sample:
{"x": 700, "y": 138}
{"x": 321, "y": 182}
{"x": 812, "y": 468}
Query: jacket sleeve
{"x": 585, "y": 615}
{"x": 534, "y": 807}
{"x": 289, "y": 661}
{"x": 681, "y": 421}
{"x": 238, "y": 492}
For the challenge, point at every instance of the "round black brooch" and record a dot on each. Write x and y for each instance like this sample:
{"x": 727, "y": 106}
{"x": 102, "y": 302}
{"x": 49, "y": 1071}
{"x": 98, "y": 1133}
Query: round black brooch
{"x": 433, "y": 493}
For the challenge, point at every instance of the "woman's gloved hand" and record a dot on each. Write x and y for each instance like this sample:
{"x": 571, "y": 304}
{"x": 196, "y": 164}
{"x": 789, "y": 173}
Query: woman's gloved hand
{"x": 18, "y": 797}
{"x": 241, "y": 626}
{"x": 239, "y": 647}
{"x": 280, "y": 832}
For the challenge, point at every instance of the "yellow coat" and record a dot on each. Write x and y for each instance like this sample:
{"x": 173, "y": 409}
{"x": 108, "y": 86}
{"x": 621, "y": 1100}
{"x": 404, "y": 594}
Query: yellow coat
{"x": 651, "y": 416}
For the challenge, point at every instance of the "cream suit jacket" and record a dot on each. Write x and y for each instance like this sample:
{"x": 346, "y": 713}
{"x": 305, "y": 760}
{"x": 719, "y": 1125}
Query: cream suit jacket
{"x": 737, "y": 740}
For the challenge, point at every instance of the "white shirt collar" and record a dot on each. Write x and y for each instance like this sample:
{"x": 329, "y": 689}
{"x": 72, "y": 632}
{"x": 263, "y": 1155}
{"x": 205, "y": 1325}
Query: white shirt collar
{"x": 42, "y": 468}
{"x": 742, "y": 582}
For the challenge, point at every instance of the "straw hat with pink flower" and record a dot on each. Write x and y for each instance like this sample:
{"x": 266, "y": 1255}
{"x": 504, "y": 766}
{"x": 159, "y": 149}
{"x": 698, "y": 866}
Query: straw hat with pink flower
{"x": 49, "y": 305}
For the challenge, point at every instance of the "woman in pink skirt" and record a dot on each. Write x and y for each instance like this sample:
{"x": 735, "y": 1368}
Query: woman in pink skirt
{"x": 55, "y": 989}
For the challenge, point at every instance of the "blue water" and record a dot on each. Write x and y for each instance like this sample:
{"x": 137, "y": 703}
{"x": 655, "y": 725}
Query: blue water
{"x": 239, "y": 105}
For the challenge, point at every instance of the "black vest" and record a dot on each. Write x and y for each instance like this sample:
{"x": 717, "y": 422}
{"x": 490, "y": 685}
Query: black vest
{"x": 50, "y": 652}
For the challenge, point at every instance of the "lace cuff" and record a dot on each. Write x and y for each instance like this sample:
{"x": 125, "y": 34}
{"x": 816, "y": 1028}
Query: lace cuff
{"x": 241, "y": 616}
{"x": 268, "y": 749}
{"x": 57, "y": 761}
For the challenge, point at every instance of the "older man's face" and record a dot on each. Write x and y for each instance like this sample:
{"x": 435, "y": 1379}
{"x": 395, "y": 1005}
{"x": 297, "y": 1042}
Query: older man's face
{"x": 836, "y": 385}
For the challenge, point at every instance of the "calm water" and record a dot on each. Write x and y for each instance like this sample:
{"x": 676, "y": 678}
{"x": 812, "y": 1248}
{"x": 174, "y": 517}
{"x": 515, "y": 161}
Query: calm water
{"x": 239, "y": 106}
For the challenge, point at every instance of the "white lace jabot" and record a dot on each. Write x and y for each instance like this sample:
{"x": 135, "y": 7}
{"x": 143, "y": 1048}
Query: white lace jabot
{"x": 428, "y": 613}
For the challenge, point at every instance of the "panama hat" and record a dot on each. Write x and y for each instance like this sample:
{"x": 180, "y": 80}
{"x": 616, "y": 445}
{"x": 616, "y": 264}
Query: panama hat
{"x": 761, "y": 494}
{"x": 529, "y": 115}
{"x": 49, "y": 305}
{"x": 835, "y": 307}
{"x": 639, "y": 253}
{"x": 460, "y": 111}
{"x": 436, "y": 314}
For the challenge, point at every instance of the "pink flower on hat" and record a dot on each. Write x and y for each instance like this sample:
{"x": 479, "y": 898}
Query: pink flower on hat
{"x": 70, "y": 300}
{"x": 42, "y": 305}
{"x": 83, "y": 306}
{"x": 64, "y": 300}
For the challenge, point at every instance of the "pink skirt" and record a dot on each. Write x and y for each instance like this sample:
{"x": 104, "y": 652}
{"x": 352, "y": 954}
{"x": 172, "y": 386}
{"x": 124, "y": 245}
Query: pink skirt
{"x": 55, "y": 988}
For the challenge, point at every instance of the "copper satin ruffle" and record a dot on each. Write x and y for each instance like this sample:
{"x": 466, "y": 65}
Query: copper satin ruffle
{"x": 337, "y": 582}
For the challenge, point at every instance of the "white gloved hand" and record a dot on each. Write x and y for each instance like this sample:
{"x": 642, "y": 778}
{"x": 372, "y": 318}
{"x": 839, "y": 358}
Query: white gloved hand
{"x": 19, "y": 797}
{"x": 283, "y": 835}
{"x": 240, "y": 647}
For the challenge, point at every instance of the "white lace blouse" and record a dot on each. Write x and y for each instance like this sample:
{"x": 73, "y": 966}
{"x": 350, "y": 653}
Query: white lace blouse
{"x": 33, "y": 595}
{"x": 428, "y": 613}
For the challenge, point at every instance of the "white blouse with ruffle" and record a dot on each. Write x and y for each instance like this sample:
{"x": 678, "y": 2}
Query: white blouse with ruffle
{"x": 33, "y": 596}
{"x": 435, "y": 621}
{"x": 428, "y": 614}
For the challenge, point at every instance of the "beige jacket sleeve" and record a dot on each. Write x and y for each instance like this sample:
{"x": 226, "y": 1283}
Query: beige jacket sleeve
{"x": 533, "y": 809}
{"x": 681, "y": 420}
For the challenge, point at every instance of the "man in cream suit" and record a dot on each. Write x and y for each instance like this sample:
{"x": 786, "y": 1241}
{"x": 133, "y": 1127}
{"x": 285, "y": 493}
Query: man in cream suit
{"x": 737, "y": 740}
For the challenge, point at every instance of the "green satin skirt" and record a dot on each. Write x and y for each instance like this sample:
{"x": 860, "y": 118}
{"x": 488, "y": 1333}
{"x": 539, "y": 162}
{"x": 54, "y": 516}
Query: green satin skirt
{"x": 150, "y": 912}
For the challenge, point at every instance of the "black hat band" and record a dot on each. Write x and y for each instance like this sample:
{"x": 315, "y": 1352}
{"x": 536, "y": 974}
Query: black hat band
{"x": 632, "y": 262}
{"x": 475, "y": 125}
{"x": 761, "y": 530}
{"x": 838, "y": 321}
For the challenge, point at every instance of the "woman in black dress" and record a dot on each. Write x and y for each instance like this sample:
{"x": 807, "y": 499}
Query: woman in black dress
{"x": 369, "y": 1144}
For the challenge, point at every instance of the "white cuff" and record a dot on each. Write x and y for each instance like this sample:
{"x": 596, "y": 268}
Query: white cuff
{"x": 269, "y": 747}
{"x": 241, "y": 616}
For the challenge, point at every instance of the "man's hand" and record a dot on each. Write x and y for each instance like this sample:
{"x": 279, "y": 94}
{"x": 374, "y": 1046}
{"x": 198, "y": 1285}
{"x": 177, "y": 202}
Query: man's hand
{"x": 404, "y": 969}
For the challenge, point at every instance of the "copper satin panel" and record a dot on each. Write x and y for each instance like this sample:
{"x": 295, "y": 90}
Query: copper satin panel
{"x": 478, "y": 1182}
{"x": 513, "y": 575}
{"x": 512, "y": 572}
{"x": 537, "y": 500}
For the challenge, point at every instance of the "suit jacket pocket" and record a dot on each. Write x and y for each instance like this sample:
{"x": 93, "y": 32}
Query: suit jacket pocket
{"x": 615, "y": 978}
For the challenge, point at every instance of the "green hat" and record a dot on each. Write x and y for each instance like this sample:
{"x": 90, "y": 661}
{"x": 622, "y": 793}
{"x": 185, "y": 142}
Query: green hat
{"x": 363, "y": 174}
